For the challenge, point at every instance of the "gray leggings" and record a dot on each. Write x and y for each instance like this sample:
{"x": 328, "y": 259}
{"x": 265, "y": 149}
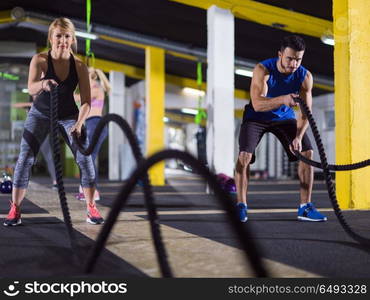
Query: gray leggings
{"x": 36, "y": 129}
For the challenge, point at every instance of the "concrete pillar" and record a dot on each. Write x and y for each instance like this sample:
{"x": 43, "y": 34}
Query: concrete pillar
{"x": 128, "y": 164}
{"x": 352, "y": 106}
{"x": 155, "y": 91}
{"x": 271, "y": 140}
{"x": 220, "y": 90}
{"x": 116, "y": 140}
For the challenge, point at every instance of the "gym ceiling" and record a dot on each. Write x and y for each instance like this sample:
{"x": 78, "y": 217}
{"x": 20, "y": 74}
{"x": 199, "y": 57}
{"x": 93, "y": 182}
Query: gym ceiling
{"x": 180, "y": 25}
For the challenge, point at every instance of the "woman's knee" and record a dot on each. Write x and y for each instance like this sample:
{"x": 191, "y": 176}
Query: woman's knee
{"x": 22, "y": 171}
{"x": 88, "y": 178}
{"x": 86, "y": 166}
{"x": 25, "y": 160}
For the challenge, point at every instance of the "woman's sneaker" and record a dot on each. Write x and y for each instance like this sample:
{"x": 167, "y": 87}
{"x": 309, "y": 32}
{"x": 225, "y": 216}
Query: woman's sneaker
{"x": 81, "y": 196}
{"x": 308, "y": 212}
{"x": 96, "y": 195}
{"x": 14, "y": 216}
{"x": 93, "y": 215}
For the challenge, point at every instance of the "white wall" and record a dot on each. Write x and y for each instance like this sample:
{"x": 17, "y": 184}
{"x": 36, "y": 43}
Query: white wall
{"x": 115, "y": 136}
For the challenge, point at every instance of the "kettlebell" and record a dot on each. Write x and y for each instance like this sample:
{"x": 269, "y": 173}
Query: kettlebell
{"x": 229, "y": 186}
{"x": 6, "y": 187}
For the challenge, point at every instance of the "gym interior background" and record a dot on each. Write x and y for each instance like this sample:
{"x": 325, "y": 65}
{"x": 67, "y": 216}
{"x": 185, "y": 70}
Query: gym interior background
{"x": 130, "y": 39}
{"x": 181, "y": 29}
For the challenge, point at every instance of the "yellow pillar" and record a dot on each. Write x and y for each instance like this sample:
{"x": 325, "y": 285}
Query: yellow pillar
{"x": 155, "y": 90}
{"x": 352, "y": 105}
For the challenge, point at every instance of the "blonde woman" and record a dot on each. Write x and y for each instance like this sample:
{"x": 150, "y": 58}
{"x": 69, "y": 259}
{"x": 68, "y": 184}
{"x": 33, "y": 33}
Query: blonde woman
{"x": 57, "y": 67}
{"x": 99, "y": 86}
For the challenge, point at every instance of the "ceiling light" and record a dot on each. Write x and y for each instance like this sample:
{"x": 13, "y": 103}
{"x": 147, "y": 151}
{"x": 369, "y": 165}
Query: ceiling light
{"x": 189, "y": 111}
{"x": 328, "y": 40}
{"x": 193, "y": 92}
{"x": 86, "y": 35}
{"x": 244, "y": 72}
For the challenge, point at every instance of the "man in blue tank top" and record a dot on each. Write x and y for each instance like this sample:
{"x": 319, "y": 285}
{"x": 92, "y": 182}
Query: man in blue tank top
{"x": 275, "y": 83}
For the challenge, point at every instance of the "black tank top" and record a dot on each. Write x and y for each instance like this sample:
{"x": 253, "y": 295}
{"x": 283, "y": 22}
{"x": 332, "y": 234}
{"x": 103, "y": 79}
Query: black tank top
{"x": 67, "y": 108}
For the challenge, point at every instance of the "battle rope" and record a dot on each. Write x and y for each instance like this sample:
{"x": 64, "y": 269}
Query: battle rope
{"x": 244, "y": 235}
{"x": 328, "y": 178}
{"x": 54, "y": 136}
{"x": 347, "y": 167}
{"x": 153, "y": 217}
{"x": 149, "y": 200}
{"x": 125, "y": 191}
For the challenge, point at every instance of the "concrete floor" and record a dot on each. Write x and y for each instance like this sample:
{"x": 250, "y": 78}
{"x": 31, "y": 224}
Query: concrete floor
{"x": 198, "y": 238}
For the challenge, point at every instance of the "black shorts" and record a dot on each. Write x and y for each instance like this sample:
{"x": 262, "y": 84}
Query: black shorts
{"x": 251, "y": 133}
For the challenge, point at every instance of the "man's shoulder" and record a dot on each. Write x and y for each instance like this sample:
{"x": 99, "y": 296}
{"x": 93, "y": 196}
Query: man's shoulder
{"x": 308, "y": 78}
{"x": 303, "y": 72}
{"x": 261, "y": 69}
{"x": 269, "y": 64}
{"x": 269, "y": 61}
{"x": 303, "y": 68}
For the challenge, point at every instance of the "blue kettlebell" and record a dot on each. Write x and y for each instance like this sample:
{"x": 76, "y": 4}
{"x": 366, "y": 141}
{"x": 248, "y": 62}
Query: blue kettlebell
{"x": 6, "y": 187}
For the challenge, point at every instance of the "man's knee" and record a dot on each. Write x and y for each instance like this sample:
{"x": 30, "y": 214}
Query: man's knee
{"x": 244, "y": 160}
{"x": 308, "y": 154}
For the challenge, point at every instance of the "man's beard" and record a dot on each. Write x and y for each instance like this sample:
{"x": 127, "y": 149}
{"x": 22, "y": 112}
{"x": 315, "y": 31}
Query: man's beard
{"x": 285, "y": 68}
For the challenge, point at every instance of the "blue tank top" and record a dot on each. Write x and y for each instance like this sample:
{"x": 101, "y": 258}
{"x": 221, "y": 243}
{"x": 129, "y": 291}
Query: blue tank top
{"x": 278, "y": 84}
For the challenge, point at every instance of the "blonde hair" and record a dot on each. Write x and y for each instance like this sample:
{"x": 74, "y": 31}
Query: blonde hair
{"x": 99, "y": 74}
{"x": 65, "y": 24}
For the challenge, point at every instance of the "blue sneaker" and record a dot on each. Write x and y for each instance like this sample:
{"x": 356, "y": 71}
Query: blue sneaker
{"x": 308, "y": 212}
{"x": 242, "y": 212}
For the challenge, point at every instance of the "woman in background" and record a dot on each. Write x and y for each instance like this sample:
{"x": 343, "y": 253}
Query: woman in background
{"x": 99, "y": 86}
